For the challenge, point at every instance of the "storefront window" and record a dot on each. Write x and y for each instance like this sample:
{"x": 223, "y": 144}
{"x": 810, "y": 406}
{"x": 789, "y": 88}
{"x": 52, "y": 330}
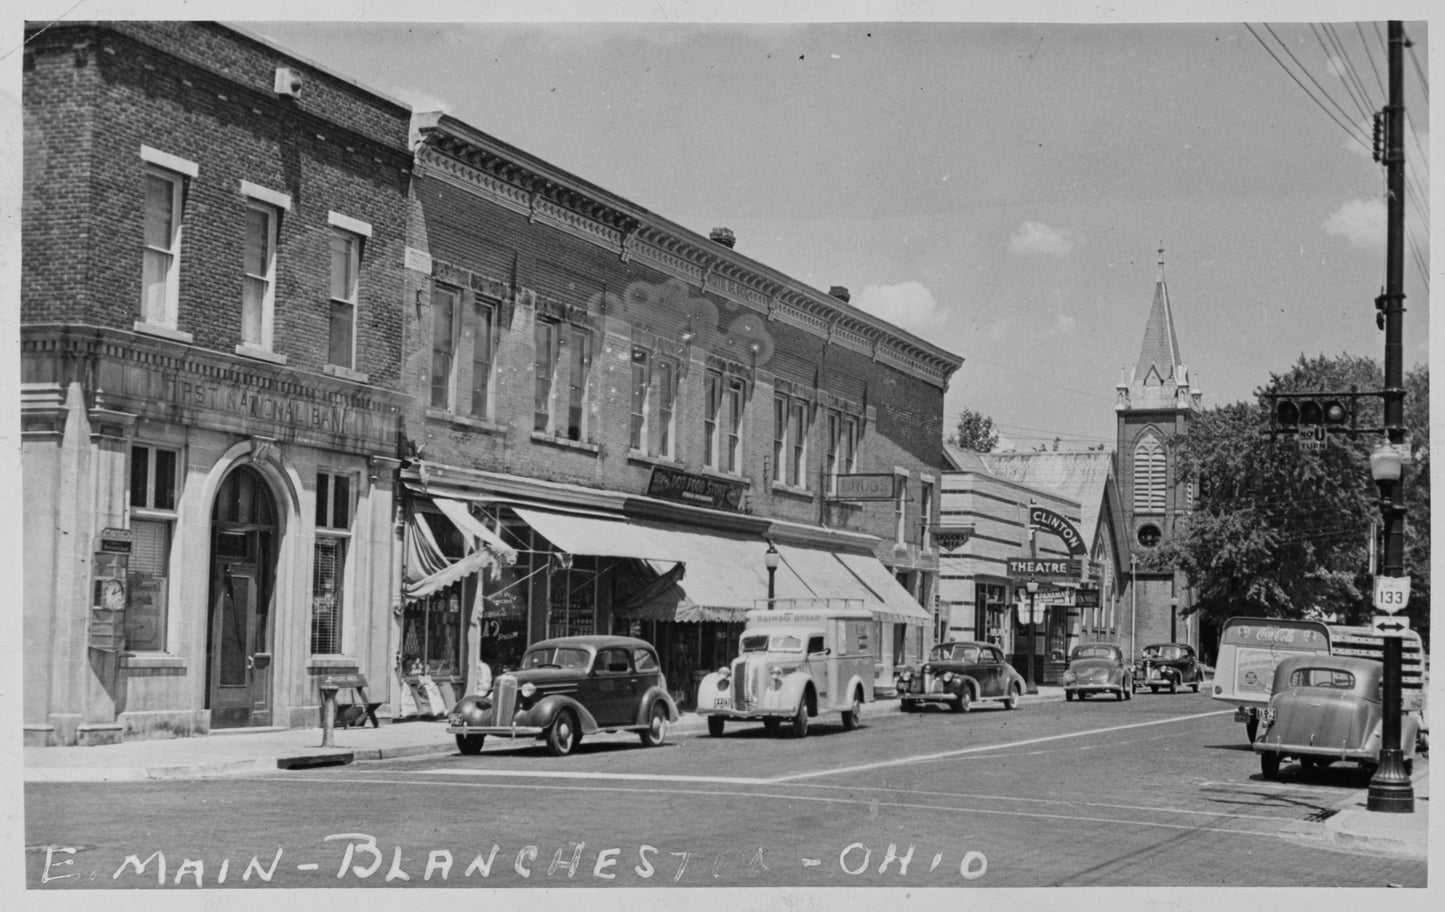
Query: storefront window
{"x": 571, "y": 608}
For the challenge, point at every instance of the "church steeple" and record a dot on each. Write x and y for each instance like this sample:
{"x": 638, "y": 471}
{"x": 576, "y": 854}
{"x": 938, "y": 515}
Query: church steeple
{"x": 1160, "y": 378}
{"x": 1159, "y": 361}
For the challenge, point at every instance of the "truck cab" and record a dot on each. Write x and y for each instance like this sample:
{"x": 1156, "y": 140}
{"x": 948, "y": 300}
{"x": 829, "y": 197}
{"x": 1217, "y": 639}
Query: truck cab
{"x": 796, "y": 661}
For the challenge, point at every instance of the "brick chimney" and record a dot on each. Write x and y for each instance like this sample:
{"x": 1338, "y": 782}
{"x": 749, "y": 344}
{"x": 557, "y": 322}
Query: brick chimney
{"x": 723, "y": 236}
{"x": 839, "y": 292}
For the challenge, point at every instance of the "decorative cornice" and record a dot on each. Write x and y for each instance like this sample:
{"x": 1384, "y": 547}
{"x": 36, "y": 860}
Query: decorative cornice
{"x": 455, "y": 153}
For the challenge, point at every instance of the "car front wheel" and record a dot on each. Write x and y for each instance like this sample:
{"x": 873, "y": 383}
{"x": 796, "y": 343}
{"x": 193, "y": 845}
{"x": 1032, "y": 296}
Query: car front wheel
{"x": 1012, "y": 700}
{"x": 656, "y": 731}
{"x": 470, "y": 745}
{"x": 800, "y": 720}
{"x": 1129, "y": 691}
{"x": 562, "y": 736}
{"x": 1068, "y": 696}
{"x": 854, "y": 713}
{"x": 1119, "y": 695}
{"x": 1269, "y": 764}
{"x": 715, "y": 725}
{"x": 964, "y": 703}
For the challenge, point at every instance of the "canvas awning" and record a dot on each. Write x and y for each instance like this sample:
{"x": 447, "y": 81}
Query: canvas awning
{"x": 894, "y": 603}
{"x": 426, "y": 569}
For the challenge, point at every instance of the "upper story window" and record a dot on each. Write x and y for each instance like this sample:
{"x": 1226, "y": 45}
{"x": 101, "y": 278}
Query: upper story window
{"x": 1149, "y": 475}
{"x": 900, "y": 509}
{"x": 484, "y": 356}
{"x": 347, "y": 237}
{"x": 925, "y": 513}
{"x": 735, "y": 403}
{"x": 652, "y": 426}
{"x": 579, "y": 379}
{"x": 446, "y": 327}
{"x": 562, "y": 399}
{"x": 790, "y": 441}
{"x": 712, "y": 412}
{"x": 258, "y": 264}
{"x": 258, "y": 283}
{"x": 842, "y": 456}
{"x": 545, "y": 368}
{"x": 641, "y": 386}
{"x": 166, "y": 177}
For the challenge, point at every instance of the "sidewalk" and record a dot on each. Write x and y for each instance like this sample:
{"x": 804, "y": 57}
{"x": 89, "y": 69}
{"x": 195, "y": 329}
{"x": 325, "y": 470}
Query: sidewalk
{"x": 233, "y": 752}
{"x": 1355, "y": 828}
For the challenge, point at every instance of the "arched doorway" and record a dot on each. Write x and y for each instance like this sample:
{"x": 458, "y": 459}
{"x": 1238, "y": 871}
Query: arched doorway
{"x": 243, "y": 571}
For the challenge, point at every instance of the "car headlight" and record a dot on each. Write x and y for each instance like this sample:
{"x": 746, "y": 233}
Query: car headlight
{"x": 528, "y": 689}
{"x": 947, "y": 676}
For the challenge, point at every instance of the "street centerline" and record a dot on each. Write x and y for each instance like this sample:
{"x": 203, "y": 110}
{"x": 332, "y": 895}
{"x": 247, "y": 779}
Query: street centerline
{"x": 925, "y": 758}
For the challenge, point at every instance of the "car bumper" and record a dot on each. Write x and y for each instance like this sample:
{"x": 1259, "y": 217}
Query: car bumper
{"x": 507, "y": 731}
{"x": 1093, "y": 688}
{"x": 929, "y": 697}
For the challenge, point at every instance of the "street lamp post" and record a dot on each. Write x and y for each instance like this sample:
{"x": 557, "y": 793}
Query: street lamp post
{"x": 1033, "y": 587}
{"x": 770, "y": 558}
{"x": 1390, "y": 788}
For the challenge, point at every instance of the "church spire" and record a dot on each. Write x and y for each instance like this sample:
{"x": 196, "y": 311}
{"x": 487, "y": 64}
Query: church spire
{"x": 1159, "y": 362}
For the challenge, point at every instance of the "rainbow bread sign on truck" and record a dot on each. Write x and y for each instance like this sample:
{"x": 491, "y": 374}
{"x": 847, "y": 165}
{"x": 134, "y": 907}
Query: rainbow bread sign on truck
{"x": 1251, "y": 648}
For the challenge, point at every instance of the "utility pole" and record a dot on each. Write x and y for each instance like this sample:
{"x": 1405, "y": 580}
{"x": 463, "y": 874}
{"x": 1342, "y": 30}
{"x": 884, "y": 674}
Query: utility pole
{"x": 1391, "y": 789}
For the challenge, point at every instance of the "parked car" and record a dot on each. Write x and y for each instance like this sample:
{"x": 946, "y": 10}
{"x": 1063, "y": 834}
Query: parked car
{"x": 794, "y": 664}
{"x": 1170, "y": 665}
{"x": 568, "y": 687}
{"x": 959, "y": 674}
{"x": 1325, "y": 708}
{"x": 1098, "y": 668}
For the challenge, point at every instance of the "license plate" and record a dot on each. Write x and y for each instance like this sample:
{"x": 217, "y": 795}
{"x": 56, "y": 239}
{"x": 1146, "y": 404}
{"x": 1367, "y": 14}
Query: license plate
{"x": 721, "y": 702}
{"x": 455, "y": 719}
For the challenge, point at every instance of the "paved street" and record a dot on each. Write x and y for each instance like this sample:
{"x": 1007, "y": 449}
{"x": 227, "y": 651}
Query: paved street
{"x": 1161, "y": 790}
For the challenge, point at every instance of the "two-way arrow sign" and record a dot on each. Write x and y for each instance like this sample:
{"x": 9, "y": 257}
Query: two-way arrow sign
{"x": 1390, "y": 625}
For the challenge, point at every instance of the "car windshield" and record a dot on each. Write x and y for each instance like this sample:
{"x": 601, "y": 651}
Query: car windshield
{"x": 1164, "y": 652}
{"x": 955, "y": 652}
{"x": 556, "y": 657}
{"x": 1094, "y": 652}
{"x": 772, "y": 642}
{"x": 1322, "y": 677}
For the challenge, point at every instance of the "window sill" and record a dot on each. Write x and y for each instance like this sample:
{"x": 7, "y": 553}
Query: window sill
{"x": 565, "y": 444}
{"x": 163, "y": 332}
{"x": 259, "y": 353}
{"x": 649, "y": 459}
{"x": 345, "y": 373}
{"x": 480, "y": 424}
{"x": 152, "y": 660}
{"x": 330, "y": 662}
{"x": 780, "y": 488}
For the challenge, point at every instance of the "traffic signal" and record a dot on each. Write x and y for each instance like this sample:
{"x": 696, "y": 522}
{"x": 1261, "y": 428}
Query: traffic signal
{"x": 1302, "y": 410}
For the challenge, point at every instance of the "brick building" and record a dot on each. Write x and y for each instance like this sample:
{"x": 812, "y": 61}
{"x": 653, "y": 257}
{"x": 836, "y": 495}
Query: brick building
{"x": 636, "y": 410}
{"x": 312, "y": 385}
{"x": 213, "y": 241}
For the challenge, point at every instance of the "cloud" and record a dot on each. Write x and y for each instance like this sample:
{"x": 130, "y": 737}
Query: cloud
{"x": 1359, "y": 221}
{"x": 908, "y": 305}
{"x": 1036, "y": 237}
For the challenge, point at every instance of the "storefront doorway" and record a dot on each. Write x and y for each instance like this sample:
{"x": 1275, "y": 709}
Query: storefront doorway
{"x": 243, "y": 567}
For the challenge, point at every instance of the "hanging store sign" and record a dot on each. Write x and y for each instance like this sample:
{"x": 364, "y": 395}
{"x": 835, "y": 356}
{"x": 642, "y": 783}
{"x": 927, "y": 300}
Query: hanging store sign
{"x": 1086, "y": 598}
{"x": 951, "y": 537}
{"x": 703, "y": 490}
{"x": 1044, "y": 518}
{"x": 1025, "y": 567}
{"x": 865, "y": 487}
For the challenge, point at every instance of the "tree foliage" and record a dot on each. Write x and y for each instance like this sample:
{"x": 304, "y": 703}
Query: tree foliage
{"x": 975, "y": 431}
{"x": 1281, "y": 531}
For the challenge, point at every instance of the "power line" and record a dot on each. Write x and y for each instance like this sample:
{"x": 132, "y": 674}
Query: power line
{"x": 1347, "y": 69}
{"x": 1349, "y": 131}
{"x": 1374, "y": 68}
{"x": 1424, "y": 83}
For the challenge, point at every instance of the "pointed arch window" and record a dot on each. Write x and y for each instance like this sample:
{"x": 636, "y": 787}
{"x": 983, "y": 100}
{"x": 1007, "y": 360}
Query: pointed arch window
{"x": 1149, "y": 475}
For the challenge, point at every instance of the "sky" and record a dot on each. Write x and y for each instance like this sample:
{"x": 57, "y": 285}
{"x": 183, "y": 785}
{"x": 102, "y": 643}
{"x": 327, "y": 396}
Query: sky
{"x": 1001, "y": 189}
